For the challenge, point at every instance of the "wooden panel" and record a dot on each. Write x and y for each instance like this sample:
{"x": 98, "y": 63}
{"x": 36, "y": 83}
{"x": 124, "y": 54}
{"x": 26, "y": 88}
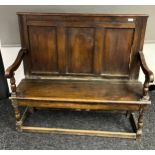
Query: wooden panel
{"x": 117, "y": 49}
{"x": 43, "y": 49}
{"x": 77, "y": 105}
{"x": 80, "y": 91}
{"x": 80, "y": 49}
{"x": 83, "y": 44}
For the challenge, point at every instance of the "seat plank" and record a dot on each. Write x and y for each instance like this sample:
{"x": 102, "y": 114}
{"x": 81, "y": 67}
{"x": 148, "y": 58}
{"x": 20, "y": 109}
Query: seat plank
{"x": 77, "y": 90}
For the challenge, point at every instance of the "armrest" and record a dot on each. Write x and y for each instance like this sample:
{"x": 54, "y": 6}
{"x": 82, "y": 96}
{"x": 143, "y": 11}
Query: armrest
{"x": 149, "y": 77}
{"x": 10, "y": 70}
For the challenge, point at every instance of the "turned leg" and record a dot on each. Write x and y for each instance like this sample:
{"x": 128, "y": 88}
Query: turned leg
{"x": 146, "y": 91}
{"x": 17, "y": 115}
{"x": 140, "y": 123}
{"x": 13, "y": 85}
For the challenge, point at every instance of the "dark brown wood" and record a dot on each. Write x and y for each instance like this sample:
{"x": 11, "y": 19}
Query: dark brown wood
{"x": 77, "y": 106}
{"x": 117, "y": 42}
{"x": 140, "y": 122}
{"x": 13, "y": 85}
{"x": 91, "y": 91}
{"x": 9, "y": 73}
{"x": 46, "y": 39}
{"x": 81, "y": 61}
{"x": 81, "y": 45}
{"x": 17, "y": 114}
{"x": 80, "y": 50}
{"x": 148, "y": 76}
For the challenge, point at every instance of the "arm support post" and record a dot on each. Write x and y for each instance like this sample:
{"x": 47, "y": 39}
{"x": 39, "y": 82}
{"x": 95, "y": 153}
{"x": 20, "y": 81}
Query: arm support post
{"x": 9, "y": 73}
{"x": 149, "y": 77}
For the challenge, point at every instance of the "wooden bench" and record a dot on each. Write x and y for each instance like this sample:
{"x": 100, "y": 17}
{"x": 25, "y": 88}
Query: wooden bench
{"x": 81, "y": 61}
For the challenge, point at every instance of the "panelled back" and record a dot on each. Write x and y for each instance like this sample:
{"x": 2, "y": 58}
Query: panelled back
{"x": 100, "y": 46}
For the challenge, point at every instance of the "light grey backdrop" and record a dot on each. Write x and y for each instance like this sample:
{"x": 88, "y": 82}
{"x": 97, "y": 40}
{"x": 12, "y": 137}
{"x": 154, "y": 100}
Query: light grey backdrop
{"x": 9, "y": 32}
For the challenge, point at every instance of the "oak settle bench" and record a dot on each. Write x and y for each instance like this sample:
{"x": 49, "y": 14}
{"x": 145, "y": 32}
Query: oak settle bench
{"x": 81, "y": 61}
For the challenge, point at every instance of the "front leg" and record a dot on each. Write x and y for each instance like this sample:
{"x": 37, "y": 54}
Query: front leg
{"x": 140, "y": 122}
{"x": 146, "y": 91}
{"x": 17, "y": 115}
{"x": 149, "y": 77}
{"x": 13, "y": 85}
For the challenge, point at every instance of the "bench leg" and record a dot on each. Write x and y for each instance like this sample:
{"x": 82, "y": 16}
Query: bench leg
{"x": 17, "y": 115}
{"x": 140, "y": 122}
{"x": 22, "y": 127}
{"x": 135, "y": 135}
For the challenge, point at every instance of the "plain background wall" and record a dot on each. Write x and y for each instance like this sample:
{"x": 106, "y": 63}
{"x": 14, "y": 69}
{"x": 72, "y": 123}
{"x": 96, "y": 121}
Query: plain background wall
{"x": 9, "y": 32}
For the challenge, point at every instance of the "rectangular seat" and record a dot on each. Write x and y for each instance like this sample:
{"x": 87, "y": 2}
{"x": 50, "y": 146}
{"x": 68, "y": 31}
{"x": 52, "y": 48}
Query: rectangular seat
{"x": 77, "y": 94}
{"x": 89, "y": 95}
{"x": 80, "y": 91}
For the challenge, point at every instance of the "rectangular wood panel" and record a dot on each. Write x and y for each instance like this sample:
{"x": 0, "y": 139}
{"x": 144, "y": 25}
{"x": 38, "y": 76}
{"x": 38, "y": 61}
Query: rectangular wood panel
{"x": 43, "y": 46}
{"x": 117, "y": 49}
{"x": 77, "y": 44}
{"x": 80, "y": 50}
